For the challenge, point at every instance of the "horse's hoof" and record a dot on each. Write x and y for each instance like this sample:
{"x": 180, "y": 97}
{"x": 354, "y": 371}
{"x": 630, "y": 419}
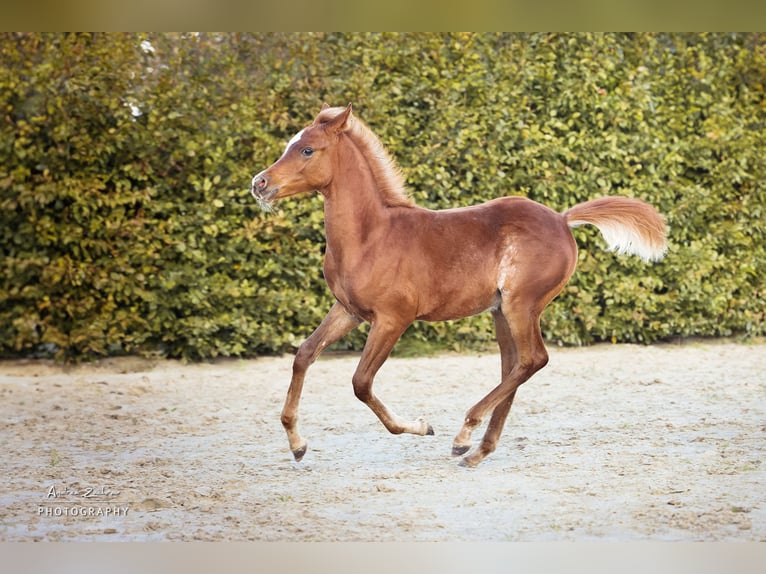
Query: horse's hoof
{"x": 460, "y": 450}
{"x": 465, "y": 463}
{"x": 430, "y": 431}
{"x": 299, "y": 452}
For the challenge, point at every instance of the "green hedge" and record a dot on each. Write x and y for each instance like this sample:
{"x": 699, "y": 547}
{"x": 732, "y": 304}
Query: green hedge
{"x": 125, "y": 161}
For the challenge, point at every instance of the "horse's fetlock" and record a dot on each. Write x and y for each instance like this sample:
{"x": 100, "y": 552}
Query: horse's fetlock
{"x": 288, "y": 421}
{"x": 488, "y": 447}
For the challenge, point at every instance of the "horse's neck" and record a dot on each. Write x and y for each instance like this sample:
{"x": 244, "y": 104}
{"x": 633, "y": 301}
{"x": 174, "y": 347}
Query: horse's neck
{"x": 354, "y": 208}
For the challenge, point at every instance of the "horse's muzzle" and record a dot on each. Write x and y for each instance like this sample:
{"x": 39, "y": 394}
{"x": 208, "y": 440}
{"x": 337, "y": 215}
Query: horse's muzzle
{"x": 259, "y": 185}
{"x": 259, "y": 189}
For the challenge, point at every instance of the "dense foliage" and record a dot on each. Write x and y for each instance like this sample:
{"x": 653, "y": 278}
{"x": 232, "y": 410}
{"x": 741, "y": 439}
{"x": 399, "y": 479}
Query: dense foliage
{"x": 125, "y": 161}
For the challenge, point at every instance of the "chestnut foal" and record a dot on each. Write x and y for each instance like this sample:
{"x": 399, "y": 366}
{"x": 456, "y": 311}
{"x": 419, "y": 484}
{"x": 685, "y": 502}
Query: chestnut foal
{"x": 390, "y": 263}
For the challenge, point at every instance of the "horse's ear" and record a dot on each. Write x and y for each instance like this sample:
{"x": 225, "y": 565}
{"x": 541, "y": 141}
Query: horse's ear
{"x": 325, "y": 105}
{"x": 340, "y": 122}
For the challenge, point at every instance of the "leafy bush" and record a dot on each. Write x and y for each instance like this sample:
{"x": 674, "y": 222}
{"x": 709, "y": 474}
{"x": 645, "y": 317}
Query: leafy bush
{"x": 125, "y": 162}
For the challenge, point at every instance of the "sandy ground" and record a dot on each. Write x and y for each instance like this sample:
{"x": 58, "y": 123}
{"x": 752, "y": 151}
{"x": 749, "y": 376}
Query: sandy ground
{"x": 606, "y": 443}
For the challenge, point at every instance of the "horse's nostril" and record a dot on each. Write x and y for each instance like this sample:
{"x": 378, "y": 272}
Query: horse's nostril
{"x": 259, "y": 183}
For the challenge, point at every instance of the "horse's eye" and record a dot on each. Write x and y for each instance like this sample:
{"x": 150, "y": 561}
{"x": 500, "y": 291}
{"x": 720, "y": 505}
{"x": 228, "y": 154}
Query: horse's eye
{"x": 307, "y": 152}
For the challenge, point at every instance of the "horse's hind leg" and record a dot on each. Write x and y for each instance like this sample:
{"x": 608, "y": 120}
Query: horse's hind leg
{"x": 507, "y": 347}
{"x": 335, "y": 325}
{"x": 523, "y": 354}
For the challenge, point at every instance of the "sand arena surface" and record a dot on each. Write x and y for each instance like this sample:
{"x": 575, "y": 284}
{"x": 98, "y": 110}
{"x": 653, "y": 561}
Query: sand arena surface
{"x": 618, "y": 442}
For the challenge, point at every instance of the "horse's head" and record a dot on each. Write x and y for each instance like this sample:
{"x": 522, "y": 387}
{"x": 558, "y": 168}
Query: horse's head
{"x": 307, "y": 162}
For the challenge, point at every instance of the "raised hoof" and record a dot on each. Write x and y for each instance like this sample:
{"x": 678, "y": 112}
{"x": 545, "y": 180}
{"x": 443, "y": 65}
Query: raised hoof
{"x": 430, "y": 431}
{"x": 460, "y": 450}
{"x": 299, "y": 452}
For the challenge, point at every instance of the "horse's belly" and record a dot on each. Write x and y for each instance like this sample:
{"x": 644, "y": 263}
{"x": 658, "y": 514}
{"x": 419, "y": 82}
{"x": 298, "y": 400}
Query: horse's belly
{"x": 458, "y": 305}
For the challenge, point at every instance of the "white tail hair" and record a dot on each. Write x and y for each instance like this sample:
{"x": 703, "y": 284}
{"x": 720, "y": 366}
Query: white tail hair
{"x": 628, "y": 225}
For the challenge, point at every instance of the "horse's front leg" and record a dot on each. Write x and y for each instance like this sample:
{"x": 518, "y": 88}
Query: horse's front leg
{"x": 335, "y": 325}
{"x": 383, "y": 336}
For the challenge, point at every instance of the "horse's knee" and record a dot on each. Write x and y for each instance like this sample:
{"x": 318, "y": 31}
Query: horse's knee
{"x": 303, "y": 358}
{"x": 362, "y": 388}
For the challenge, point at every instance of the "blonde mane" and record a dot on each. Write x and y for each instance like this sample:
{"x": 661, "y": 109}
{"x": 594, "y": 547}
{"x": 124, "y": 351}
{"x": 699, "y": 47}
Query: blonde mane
{"x": 386, "y": 172}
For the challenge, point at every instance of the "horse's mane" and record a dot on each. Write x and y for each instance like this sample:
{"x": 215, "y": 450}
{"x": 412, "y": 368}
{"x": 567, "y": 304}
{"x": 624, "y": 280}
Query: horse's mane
{"x": 385, "y": 171}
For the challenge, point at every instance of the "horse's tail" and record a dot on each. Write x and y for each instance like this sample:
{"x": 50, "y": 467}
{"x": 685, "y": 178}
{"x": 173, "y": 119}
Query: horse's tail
{"x": 628, "y": 225}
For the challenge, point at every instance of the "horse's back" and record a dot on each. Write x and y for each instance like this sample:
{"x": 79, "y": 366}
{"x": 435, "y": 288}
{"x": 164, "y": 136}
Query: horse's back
{"x": 524, "y": 212}
{"x": 511, "y": 218}
{"x": 457, "y": 256}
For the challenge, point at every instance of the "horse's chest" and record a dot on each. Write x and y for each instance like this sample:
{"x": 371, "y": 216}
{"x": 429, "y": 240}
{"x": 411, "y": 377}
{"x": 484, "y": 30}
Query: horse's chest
{"x": 337, "y": 279}
{"x": 350, "y": 284}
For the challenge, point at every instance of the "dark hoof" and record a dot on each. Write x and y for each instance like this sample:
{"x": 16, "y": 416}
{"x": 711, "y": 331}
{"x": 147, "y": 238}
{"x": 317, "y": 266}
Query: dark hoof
{"x": 430, "y": 431}
{"x": 460, "y": 450}
{"x": 299, "y": 452}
